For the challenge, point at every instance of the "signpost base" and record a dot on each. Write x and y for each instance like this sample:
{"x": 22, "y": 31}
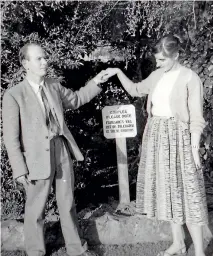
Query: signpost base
{"x": 123, "y": 176}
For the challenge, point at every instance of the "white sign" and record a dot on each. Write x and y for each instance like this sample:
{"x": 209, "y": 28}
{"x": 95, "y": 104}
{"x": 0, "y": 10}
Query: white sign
{"x": 119, "y": 121}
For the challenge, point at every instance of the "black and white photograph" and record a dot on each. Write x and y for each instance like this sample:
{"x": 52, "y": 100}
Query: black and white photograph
{"x": 106, "y": 128}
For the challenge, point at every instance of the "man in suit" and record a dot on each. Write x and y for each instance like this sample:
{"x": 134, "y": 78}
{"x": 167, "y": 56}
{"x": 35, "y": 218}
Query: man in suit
{"x": 40, "y": 147}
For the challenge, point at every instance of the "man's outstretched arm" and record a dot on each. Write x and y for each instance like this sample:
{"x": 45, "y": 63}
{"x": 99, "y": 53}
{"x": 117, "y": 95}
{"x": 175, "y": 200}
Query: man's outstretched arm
{"x": 75, "y": 99}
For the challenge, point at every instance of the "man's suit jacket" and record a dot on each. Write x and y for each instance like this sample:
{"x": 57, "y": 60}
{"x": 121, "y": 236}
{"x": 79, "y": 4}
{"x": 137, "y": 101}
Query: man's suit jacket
{"x": 25, "y": 132}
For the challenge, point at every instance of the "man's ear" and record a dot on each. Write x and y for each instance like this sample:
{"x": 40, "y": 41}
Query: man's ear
{"x": 24, "y": 63}
{"x": 177, "y": 55}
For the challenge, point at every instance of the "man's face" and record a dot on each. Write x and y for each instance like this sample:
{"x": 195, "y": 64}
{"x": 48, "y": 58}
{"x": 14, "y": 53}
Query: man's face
{"x": 164, "y": 62}
{"x": 36, "y": 63}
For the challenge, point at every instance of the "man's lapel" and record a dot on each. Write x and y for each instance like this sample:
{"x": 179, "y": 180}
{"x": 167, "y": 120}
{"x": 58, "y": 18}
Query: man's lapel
{"x": 53, "y": 99}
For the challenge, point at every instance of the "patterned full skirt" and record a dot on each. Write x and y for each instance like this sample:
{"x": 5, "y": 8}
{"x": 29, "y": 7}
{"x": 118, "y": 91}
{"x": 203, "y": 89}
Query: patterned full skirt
{"x": 169, "y": 187}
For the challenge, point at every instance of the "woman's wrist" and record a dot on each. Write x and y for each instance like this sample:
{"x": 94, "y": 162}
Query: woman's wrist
{"x": 118, "y": 71}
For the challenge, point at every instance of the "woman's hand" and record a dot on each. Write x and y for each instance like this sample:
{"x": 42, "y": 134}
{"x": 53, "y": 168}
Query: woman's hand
{"x": 196, "y": 156}
{"x": 195, "y": 142}
{"x": 109, "y": 72}
{"x": 100, "y": 77}
{"x": 104, "y": 75}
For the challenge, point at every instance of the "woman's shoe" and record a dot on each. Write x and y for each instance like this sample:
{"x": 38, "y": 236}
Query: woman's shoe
{"x": 181, "y": 252}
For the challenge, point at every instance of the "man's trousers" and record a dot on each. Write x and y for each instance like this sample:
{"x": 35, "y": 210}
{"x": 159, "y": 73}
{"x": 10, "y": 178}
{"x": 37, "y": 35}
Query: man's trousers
{"x": 62, "y": 177}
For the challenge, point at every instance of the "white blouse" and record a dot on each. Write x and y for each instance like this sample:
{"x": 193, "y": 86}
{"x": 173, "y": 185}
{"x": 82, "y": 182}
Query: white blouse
{"x": 161, "y": 94}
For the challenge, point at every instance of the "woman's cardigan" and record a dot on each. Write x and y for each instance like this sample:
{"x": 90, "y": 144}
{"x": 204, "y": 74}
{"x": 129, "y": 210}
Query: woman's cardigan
{"x": 186, "y": 98}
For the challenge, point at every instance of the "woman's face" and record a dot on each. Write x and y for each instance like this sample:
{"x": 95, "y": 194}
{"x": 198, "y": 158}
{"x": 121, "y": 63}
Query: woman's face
{"x": 165, "y": 62}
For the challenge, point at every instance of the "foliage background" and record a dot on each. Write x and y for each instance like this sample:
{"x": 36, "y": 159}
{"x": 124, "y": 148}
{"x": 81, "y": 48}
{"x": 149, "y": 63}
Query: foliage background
{"x": 71, "y": 30}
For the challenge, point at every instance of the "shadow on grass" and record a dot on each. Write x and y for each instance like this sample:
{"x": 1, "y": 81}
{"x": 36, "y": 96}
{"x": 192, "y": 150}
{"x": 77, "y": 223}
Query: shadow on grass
{"x": 209, "y": 248}
{"x": 55, "y": 241}
{"x": 208, "y": 245}
{"x": 53, "y": 237}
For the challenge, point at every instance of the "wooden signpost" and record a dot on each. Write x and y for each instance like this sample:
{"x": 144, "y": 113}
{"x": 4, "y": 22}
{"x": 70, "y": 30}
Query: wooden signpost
{"x": 119, "y": 122}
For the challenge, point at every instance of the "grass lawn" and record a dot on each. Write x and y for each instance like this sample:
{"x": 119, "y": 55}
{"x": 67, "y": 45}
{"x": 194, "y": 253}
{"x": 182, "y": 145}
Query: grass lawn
{"x": 144, "y": 249}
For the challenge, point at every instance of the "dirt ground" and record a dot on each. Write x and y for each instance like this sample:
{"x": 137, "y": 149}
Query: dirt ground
{"x": 144, "y": 249}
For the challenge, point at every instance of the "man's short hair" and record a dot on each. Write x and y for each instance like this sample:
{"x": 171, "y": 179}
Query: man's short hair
{"x": 23, "y": 53}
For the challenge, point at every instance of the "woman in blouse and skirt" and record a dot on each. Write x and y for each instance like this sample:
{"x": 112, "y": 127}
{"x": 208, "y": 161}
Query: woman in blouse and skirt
{"x": 170, "y": 183}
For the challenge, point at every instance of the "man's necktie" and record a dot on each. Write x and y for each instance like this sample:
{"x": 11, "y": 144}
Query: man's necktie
{"x": 51, "y": 118}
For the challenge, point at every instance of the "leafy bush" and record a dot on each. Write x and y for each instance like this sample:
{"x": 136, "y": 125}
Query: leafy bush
{"x": 69, "y": 31}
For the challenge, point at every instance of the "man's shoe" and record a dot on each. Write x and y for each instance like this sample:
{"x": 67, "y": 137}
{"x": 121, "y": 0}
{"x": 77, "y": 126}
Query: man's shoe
{"x": 89, "y": 253}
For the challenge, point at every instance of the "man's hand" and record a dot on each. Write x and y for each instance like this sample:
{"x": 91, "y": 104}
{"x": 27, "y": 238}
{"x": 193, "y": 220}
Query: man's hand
{"x": 196, "y": 156}
{"x": 104, "y": 75}
{"x": 111, "y": 72}
{"x": 100, "y": 77}
{"x": 23, "y": 180}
